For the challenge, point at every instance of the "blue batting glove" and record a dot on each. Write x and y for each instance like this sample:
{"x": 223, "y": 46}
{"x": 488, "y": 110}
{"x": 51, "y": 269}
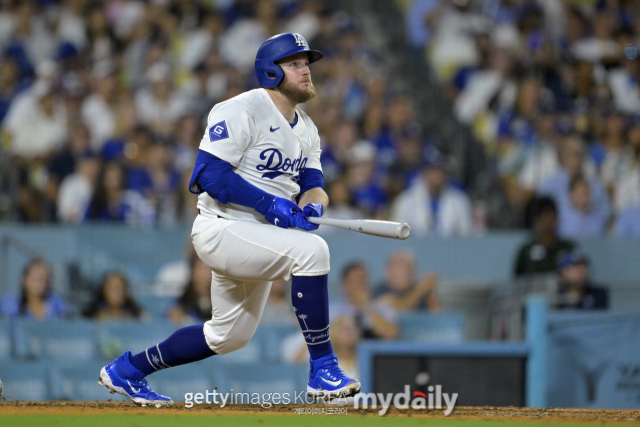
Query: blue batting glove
{"x": 312, "y": 209}
{"x": 282, "y": 212}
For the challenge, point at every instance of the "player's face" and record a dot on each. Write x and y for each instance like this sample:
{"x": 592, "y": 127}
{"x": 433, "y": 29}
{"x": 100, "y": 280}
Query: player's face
{"x": 297, "y": 84}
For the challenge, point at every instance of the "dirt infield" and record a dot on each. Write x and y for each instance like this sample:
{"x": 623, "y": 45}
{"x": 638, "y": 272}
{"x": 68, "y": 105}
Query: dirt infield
{"x": 487, "y": 413}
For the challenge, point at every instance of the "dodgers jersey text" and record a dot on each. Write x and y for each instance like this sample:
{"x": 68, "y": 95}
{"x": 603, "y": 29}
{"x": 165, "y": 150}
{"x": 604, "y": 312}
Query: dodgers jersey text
{"x": 250, "y": 133}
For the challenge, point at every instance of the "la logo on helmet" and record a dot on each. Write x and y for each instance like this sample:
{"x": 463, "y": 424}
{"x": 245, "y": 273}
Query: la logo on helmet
{"x": 299, "y": 40}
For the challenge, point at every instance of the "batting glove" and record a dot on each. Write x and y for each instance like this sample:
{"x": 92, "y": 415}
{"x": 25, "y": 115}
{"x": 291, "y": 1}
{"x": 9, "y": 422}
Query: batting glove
{"x": 312, "y": 209}
{"x": 282, "y": 213}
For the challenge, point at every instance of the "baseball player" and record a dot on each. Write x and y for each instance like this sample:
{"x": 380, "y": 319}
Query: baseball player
{"x": 259, "y": 178}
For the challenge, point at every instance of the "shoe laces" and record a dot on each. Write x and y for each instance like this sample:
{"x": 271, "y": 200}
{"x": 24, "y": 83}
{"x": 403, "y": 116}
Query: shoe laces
{"x": 331, "y": 366}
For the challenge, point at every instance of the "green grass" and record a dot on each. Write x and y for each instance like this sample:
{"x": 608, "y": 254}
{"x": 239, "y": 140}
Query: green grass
{"x": 146, "y": 420}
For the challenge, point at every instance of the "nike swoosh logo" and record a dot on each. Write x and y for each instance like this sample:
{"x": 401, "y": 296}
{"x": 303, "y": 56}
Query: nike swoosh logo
{"x": 272, "y": 129}
{"x": 276, "y": 221}
{"x": 333, "y": 383}
{"x": 138, "y": 390}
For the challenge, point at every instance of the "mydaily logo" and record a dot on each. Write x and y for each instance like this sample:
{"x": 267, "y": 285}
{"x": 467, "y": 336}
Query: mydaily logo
{"x": 419, "y": 400}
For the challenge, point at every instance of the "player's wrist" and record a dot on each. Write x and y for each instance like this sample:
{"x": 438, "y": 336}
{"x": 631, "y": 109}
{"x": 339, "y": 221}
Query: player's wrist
{"x": 262, "y": 206}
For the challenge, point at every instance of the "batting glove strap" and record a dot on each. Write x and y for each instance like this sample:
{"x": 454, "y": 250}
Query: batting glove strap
{"x": 282, "y": 213}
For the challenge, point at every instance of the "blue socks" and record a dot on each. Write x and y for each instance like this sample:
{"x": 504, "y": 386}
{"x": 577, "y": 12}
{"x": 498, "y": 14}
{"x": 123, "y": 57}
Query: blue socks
{"x": 185, "y": 345}
{"x": 310, "y": 299}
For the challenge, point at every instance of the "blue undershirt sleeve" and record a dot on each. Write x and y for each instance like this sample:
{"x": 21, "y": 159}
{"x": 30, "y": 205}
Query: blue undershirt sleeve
{"x": 217, "y": 178}
{"x": 310, "y": 178}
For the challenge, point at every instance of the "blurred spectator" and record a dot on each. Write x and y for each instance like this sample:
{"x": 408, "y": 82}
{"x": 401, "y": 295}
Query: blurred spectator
{"x": 601, "y": 44}
{"x": 194, "y": 305}
{"x": 541, "y": 254}
{"x": 35, "y": 299}
{"x": 99, "y": 109}
{"x": 484, "y": 87}
{"x": 361, "y": 178}
{"x": 37, "y": 126}
{"x": 542, "y": 161}
{"x": 278, "y": 309}
{"x": 112, "y": 300}
{"x": 201, "y": 40}
{"x": 401, "y": 289}
{"x": 628, "y": 224}
{"x": 433, "y": 204}
{"x": 345, "y": 337}
{"x": 76, "y": 191}
{"x": 65, "y": 161}
{"x": 404, "y": 171}
{"x": 188, "y": 135}
{"x": 336, "y": 150}
{"x": 618, "y": 156}
{"x": 249, "y": 31}
{"x": 624, "y": 86}
{"x": 575, "y": 287}
{"x": 111, "y": 202}
{"x": 627, "y": 192}
{"x": 454, "y": 26}
{"x": 156, "y": 181}
{"x": 579, "y": 218}
{"x": 558, "y": 186}
{"x": 397, "y": 123}
{"x": 10, "y": 85}
{"x": 173, "y": 277}
{"x": 159, "y": 105}
{"x": 340, "y": 206}
{"x": 374, "y": 318}
{"x": 421, "y": 16}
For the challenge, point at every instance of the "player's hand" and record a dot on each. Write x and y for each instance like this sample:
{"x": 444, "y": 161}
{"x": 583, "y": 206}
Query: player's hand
{"x": 312, "y": 209}
{"x": 282, "y": 212}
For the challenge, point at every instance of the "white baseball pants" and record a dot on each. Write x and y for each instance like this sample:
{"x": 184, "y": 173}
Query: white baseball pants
{"x": 245, "y": 257}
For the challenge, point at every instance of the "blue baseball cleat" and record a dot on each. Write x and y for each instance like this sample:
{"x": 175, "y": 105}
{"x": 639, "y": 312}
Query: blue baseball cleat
{"x": 120, "y": 376}
{"x": 326, "y": 379}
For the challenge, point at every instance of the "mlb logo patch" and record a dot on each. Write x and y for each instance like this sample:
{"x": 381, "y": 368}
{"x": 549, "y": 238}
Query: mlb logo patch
{"x": 218, "y": 131}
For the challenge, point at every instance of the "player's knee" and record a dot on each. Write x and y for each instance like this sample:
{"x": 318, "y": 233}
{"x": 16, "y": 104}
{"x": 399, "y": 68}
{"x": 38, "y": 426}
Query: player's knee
{"x": 237, "y": 343}
{"x": 234, "y": 342}
{"x": 315, "y": 257}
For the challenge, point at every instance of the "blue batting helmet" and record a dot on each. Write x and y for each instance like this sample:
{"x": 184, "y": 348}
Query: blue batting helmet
{"x": 277, "y": 47}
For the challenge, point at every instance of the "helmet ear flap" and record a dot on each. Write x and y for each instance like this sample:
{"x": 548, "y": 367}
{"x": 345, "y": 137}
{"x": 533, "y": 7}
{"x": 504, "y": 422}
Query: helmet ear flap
{"x": 271, "y": 76}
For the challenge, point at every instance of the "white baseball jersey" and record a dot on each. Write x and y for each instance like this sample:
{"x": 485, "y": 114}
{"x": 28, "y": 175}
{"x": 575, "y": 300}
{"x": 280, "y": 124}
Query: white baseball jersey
{"x": 250, "y": 133}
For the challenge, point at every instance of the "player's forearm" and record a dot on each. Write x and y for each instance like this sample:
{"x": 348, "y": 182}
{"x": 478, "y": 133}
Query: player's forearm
{"x": 314, "y": 195}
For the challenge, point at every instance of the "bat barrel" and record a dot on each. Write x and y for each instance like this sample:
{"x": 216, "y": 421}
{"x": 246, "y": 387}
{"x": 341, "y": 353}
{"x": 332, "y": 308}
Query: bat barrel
{"x": 392, "y": 230}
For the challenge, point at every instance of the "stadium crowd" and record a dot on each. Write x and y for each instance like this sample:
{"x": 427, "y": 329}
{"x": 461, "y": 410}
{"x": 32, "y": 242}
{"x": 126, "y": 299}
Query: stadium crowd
{"x": 103, "y": 105}
{"x": 550, "y": 88}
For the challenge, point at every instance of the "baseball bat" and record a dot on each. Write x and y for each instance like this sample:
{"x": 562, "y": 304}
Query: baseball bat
{"x": 392, "y": 230}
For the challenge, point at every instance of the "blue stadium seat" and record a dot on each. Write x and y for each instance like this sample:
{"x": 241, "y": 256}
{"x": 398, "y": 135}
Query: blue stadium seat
{"x": 257, "y": 378}
{"x": 432, "y": 327}
{"x": 156, "y": 306}
{"x": 59, "y": 340}
{"x": 117, "y": 337}
{"x": 80, "y": 382}
{"x": 25, "y": 380}
{"x": 192, "y": 378}
{"x": 5, "y": 339}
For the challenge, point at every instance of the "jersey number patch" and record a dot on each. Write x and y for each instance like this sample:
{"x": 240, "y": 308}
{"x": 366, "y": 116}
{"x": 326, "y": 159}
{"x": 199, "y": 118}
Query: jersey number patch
{"x": 218, "y": 131}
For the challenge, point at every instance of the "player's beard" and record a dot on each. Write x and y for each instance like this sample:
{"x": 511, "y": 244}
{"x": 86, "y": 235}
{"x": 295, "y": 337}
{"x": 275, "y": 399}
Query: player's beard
{"x": 294, "y": 93}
